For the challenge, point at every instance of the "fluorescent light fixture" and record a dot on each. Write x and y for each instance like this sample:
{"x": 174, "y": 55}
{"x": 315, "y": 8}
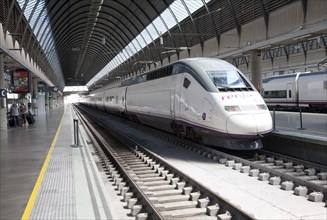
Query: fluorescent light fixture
{"x": 263, "y": 47}
{"x": 303, "y": 36}
{"x": 75, "y": 89}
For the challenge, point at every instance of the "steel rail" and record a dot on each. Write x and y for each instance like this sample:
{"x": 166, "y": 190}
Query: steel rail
{"x": 154, "y": 213}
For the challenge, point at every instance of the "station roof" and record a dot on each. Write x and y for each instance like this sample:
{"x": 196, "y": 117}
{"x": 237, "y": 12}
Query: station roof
{"x": 81, "y": 42}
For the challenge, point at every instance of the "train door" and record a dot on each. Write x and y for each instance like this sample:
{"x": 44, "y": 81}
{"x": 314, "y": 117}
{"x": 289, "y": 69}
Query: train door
{"x": 290, "y": 97}
{"x": 192, "y": 100}
{"x": 125, "y": 100}
{"x": 175, "y": 96}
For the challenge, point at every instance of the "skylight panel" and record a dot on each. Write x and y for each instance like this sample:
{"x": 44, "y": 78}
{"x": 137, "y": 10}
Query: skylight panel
{"x": 169, "y": 20}
{"x": 39, "y": 23}
{"x": 194, "y": 5}
{"x": 179, "y": 10}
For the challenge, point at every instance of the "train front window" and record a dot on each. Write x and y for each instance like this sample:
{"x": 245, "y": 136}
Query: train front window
{"x": 226, "y": 79}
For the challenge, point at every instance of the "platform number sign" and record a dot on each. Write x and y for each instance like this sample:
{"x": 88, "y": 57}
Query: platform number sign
{"x": 3, "y": 93}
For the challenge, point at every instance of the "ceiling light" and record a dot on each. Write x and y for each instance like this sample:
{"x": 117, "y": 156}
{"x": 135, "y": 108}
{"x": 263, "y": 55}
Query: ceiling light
{"x": 303, "y": 36}
{"x": 263, "y": 47}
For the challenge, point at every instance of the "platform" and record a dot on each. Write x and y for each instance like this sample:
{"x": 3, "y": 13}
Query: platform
{"x": 309, "y": 127}
{"x": 306, "y": 140}
{"x": 44, "y": 177}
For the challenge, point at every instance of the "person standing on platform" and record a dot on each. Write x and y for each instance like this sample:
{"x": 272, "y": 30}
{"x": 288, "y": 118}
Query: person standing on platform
{"x": 23, "y": 112}
{"x": 14, "y": 111}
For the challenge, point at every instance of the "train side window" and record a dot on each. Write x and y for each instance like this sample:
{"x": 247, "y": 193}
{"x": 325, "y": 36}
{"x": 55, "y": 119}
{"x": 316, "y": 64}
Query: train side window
{"x": 289, "y": 93}
{"x": 187, "y": 70}
{"x": 186, "y": 83}
{"x": 275, "y": 94}
{"x": 169, "y": 71}
{"x": 177, "y": 69}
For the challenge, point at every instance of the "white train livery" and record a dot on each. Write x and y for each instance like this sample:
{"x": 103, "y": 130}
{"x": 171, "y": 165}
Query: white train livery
{"x": 204, "y": 99}
{"x": 307, "y": 90}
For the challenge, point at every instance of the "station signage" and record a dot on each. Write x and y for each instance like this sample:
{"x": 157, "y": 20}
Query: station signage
{"x": 21, "y": 81}
{"x": 3, "y": 93}
{"x": 7, "y": 76}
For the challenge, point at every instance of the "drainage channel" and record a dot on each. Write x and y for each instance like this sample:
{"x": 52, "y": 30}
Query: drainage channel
{"x": 151, "y": 187}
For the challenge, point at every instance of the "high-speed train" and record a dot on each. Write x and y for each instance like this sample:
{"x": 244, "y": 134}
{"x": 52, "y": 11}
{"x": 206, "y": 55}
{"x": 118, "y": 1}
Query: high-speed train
{"x": 204, "y": 99}
{"x": 307, "y": 90}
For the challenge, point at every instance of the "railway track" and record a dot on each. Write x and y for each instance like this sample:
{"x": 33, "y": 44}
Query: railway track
{"x": 151, "y": 187}
{"x": 303, "y": 178}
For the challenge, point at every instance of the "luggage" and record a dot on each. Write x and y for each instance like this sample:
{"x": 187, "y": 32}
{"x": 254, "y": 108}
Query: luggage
{"x": 30, "y": 119}
{"x": 20, "y": 121}
{"x": 11, "y": 122}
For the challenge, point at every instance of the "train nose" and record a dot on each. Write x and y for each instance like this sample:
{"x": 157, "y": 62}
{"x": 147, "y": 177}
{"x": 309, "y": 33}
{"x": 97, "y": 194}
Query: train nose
{"x": 249, "y": 124}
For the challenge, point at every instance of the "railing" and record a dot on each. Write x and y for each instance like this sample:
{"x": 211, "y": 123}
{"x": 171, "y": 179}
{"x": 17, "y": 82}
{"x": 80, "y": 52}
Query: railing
{"x": 299, "y": 122}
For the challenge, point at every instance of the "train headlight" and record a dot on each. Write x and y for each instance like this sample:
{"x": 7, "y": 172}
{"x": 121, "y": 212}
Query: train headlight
{"x": 262, "y": 107}
{"x": 232, "y": 108}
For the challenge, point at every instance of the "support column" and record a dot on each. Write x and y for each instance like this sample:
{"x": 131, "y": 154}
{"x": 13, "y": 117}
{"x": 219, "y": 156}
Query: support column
{"x": 51, "y": 105}
{"x": 34, "y": 95}
{"x": 3, "y": 103}
{"x": 256, "y": 69}
{"x": 47, "y": 103}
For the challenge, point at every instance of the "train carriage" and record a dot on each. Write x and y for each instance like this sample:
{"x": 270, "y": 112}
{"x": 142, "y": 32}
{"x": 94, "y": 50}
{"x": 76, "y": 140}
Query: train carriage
{"x": 98, "y": 100}
{"x": 115, "y": 100}
{"x": 306, "y": 90}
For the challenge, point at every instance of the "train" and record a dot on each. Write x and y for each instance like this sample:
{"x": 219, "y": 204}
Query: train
{"x": 206, "y": 100}
{"x": 305, "y": 90}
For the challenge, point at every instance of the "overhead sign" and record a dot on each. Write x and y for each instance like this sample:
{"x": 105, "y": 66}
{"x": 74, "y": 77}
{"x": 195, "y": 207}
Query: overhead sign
{"x": 21, "y": 81}
{"x": 7, "y": 76}
{"x": 3, "y": 93}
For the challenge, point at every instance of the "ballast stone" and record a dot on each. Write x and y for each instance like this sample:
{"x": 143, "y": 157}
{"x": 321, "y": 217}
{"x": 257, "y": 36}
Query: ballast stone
{"x": 301, "y": 191}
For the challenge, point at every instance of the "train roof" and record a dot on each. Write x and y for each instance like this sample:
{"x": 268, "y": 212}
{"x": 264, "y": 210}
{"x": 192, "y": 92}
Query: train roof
{"x": 197, "y": 65}
{"x": 200, "y": 62}
{"x": 292, "y": 75}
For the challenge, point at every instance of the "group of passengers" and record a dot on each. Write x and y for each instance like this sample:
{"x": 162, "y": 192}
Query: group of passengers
{"x": 19, "y": 113}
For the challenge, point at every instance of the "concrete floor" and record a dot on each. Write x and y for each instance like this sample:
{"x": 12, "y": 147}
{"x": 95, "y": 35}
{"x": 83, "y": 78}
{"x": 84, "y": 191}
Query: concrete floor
{"x": 44, "y": 177}
{"x": 22, "y": 154}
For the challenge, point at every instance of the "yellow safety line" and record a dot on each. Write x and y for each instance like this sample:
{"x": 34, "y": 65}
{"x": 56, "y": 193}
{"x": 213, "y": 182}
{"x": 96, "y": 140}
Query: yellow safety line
{"x": 37, "y": 185}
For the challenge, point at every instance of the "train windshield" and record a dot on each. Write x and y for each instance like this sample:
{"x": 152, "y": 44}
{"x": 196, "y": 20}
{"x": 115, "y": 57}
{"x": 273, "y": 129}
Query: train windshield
{"x": 226, "y": 79}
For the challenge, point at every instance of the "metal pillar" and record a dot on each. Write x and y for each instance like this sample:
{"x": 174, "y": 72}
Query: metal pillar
{"x": 34, "y": 95}
{"x": 47, "y": 103}
{"x": 3, "y": 101}
{"x": 76, "y": 134}
{"x": 256, "y": 69}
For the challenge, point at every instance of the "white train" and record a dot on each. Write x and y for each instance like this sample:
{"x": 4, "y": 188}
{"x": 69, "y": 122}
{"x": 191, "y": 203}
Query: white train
{"x": 207, "y": 100}
{"x": 305, "y": 90}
